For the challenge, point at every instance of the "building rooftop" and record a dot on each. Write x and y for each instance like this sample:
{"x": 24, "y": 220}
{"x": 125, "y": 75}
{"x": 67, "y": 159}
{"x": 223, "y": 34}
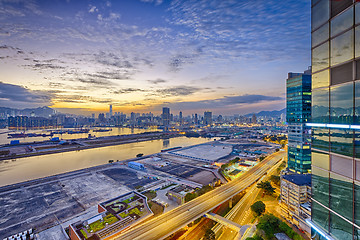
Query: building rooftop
{"x": 299, "y": 179}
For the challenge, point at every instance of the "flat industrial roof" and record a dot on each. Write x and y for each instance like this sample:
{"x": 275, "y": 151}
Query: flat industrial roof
{"x": 299, "y": 179}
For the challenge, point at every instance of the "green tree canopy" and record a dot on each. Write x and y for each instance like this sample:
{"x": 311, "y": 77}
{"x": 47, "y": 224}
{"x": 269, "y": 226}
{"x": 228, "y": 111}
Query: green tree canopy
{"x": 258, "y": 208}
{"x": 275, "y": 179}
{"x": 266, "y": 186}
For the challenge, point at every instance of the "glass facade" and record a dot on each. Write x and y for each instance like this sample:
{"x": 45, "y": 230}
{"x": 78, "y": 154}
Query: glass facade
{"x": 336, "y": 107}
{"x": 298, "y": 106}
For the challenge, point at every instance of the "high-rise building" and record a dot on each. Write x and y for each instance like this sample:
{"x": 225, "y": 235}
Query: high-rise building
{"x": 208, "y": 118}
{"x": 180, "y": 117}
{"x": 196, "y": 120}
{"x": 298, "y": 113}
{"x": 110, "y": 111}
{"x": 166, "y": 117}
{"x": 132, "y": 118}
{"x": 253, "y": 119}
{"x": 335, "y": 119}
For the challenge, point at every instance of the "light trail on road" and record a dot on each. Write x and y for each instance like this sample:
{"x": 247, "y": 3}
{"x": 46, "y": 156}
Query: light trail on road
{"x": 169, "y": 222}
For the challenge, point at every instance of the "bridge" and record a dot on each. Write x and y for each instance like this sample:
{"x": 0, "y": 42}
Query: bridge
{"x": 169, "y": 222}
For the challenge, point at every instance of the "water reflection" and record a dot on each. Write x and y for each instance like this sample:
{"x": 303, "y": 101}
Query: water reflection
{"x": 41, "y": 166}
{"x": 113, "y": 132}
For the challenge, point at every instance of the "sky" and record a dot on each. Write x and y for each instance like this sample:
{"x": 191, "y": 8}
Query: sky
{"x": 79, "y": 56}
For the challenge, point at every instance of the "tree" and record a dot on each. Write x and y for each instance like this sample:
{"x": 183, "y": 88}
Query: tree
{"x": 209, "y": 234}
{"x": 266, "y": 186}
{"x": 275, "y": 179}
{"x": 269, "y": 224}
{"x": 258, "y": 208}
{"x": 189, "y": 197}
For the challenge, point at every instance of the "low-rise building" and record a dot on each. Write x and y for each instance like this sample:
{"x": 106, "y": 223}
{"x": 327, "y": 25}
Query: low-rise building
{"x": 295, "y": 201}
{"x": 115, "y": 215}
{"x": 178, "y": 193}
{"x": 136, "y": 165}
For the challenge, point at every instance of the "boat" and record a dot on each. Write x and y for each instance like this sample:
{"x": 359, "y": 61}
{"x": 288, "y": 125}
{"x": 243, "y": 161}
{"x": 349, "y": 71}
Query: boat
{"x": 78, "y": 131}
{"x": 102, "y": 130}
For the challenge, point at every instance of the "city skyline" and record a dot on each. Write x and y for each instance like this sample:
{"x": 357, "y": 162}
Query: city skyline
{"x": 140, "y": 56}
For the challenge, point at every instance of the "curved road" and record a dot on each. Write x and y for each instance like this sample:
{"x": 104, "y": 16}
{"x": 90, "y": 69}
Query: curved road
{"x": 169, "y": 222}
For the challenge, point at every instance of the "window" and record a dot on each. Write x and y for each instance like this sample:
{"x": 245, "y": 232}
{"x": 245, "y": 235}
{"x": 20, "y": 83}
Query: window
{"x": 320, "y": 185}
{"x": 342, "y": 22}
{"x": 357, "y": 41}
{"x": 341, "y": 196}
{"x": 357, "y": 104}
{"x": 357, "y": 207}
{"x": 357, "y": 13}
{"x": 320, "y": 106}
{"x": 357, "y": 151}
{"x": 339, "y": 228}
{"x": 320, "y": 215}
{"x": 321, "y": 160}
{"x": 341, "y": 103}
{"x": 339, "y": 6}
{"x": 342, "y": 48}
{"x": 320, "y": 13}
{"x": 341, "y": 142}
{"x": 320, "y": 57}
{"x": 320, "y": 79}
{"x": 320, "y": 35}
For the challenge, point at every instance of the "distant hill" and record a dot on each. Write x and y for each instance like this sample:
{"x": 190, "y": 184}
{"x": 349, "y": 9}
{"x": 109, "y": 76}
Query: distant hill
{"x": 39, "y": 112}
{"x": 275, "y": 113}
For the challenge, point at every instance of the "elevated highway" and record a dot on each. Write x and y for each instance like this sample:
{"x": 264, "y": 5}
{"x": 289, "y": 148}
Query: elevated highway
{"x": 169, "y": 222}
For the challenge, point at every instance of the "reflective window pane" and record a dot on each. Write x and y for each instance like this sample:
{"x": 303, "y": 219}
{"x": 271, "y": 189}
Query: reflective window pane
{"x": 320, "y": 216}
{"x": 313, "y": 2}
{"x": 357, "y": 148}
{"x": 357, "y": 13}
{"x": 337, "y": 6}
{"x": 342, "y": 22}
{"x": 320, "y": 57}
{"x": 320, "y": 13}
{"x": 320, "y": 35}
{"x": 321, "y": 160}
{"x": 320, "y": 185}
{"x": 320, "y": 138}
{"x": 357, "y": 41}
{"x": 339, "y": 228}
{"x": 357, "y": 206}
{"x": 320, "y": 106}
{"x": 342, "y": 48}
{"x": 320, "y": 79}
{"x": 341, "y": 103}
{"x": 357, "y": 103}
{"x": 341, "y": 196}
{"x": 341, "y": 141}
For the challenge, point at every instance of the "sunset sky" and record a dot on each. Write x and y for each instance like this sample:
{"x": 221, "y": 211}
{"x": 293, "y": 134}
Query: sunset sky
{"x": 227, "y": 56}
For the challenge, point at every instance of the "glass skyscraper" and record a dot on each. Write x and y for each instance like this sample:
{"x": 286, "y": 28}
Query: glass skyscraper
{"x": 298, "y": 113}
{"x": 335, "y": 119}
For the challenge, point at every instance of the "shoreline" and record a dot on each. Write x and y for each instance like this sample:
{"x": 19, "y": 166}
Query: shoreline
{"x": 78, "y": 148}
{"x": 74, "y": 173}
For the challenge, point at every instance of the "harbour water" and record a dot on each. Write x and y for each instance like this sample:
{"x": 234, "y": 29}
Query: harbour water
{"x": 23, "y": 169}
{"x": 113, "y": 131}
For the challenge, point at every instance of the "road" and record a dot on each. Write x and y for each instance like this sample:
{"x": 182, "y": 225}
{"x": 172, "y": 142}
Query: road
{"x": 169, "y": 222}
{"x": 241, "y": 213}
